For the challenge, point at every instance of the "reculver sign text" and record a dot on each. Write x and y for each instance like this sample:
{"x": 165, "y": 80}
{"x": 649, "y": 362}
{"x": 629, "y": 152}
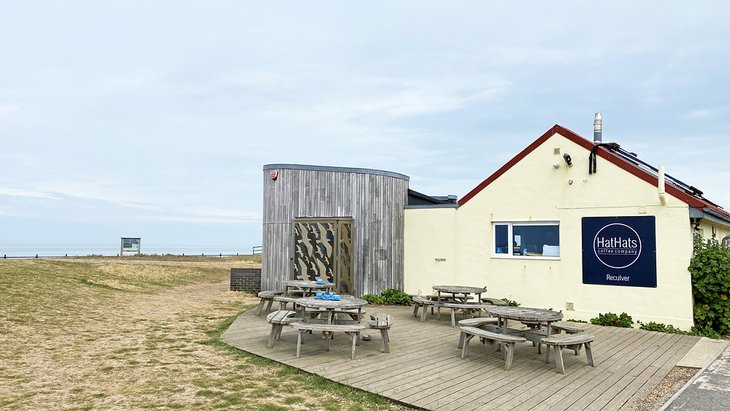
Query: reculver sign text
{"x": 617, "y": 245}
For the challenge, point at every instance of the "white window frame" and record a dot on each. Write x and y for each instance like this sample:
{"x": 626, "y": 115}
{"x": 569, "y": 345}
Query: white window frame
{"x": 510, "y": 245}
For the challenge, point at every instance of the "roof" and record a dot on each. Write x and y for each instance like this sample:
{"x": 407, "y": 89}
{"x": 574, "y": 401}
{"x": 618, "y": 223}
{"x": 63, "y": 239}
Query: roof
{"x": 688, "y": 194}
{"x": 420, "y": 200}
{"x": 331, "y": 169}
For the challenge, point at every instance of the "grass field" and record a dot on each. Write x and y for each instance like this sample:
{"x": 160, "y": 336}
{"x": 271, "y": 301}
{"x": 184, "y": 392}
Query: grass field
{"x": 135, "y": 333}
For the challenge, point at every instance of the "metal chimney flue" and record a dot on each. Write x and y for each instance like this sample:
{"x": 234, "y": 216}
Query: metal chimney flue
{"x": 597, "y": 129}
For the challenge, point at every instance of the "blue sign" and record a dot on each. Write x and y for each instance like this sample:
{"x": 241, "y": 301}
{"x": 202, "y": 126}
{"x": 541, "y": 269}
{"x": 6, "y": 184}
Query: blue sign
{"x": 619, "y": 251}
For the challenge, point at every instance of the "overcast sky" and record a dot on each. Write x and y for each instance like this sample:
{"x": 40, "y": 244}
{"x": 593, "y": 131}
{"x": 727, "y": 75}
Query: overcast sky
{"x": 154, "y": 118}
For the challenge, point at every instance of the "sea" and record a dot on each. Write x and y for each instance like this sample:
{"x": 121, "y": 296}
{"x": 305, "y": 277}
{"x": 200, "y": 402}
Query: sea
{"x": 42, "y": 250}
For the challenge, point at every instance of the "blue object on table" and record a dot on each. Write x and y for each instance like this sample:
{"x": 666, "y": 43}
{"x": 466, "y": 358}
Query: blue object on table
{"x": 336, "y": 297}
{"x": 319, "y": 281}
{"x": 318, "y": 295}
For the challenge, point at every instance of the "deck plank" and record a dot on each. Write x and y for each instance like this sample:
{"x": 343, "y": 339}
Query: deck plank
{"x": 425, "y": 369}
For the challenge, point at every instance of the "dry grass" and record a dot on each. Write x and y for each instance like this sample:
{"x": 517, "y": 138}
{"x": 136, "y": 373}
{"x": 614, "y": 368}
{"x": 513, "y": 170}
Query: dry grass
{"x": 140, "y": 333}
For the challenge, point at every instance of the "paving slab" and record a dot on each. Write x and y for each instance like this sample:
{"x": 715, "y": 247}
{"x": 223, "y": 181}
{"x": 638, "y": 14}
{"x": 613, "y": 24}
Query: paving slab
{"x": 703, "y": 353}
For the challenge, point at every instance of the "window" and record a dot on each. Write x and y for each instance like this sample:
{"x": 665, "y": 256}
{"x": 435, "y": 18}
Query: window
{"x": 527, "y": 239}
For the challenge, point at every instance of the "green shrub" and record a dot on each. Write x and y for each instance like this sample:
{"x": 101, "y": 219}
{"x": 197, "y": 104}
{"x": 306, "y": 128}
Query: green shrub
{"x": 391, "y": 296}
{"x": 576, "y": 321}
{"x": 613, "y": 320}
{"x": 710, "y": 270}
{"x": 706, "y": 332}
{"x": 662, "y": 328}
{"x": 396, "y": 297}
{"x": 374, "y": 299}
{"x": 511, "y": 303}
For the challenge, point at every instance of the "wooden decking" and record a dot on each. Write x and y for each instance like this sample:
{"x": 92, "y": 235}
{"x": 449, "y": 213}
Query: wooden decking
{"x": 424, "y": 368}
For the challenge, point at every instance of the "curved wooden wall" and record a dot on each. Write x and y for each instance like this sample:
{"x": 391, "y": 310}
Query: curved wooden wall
{"x": 374, "y": 199}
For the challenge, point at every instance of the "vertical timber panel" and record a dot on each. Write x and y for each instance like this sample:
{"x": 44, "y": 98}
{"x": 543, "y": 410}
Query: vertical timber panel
{"x": 375, "y": 201}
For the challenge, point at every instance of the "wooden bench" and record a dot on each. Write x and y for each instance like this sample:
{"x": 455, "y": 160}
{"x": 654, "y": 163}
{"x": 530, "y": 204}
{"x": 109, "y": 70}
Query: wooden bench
{"x": 494, "y": 301}
{"x": 352, "y": 330}
{"x": 506, "y": 341}
{"x": 568, "y": 328}
{"x": 266, "y": 296}
{"x": 382, "y": 322}
{"x": 278, "y": 319}
{"x": 352, "y": 313}
{"x": 448, "y": 298}
{"x": 283, "y": 301}
{"x": 570, "y": 341}
{"x": 477, "y": 322}
{"x": 424, "y": 304}
{"x": 467, "y": 308}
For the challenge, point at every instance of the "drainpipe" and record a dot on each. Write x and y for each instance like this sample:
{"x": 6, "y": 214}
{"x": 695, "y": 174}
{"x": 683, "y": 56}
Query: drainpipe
{"x": 661, "y": 186}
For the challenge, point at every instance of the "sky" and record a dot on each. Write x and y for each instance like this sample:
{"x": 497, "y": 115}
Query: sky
{"x": 154, "y": 119}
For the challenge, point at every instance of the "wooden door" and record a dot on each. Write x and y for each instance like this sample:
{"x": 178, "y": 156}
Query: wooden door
{"x": 323, "y": 249}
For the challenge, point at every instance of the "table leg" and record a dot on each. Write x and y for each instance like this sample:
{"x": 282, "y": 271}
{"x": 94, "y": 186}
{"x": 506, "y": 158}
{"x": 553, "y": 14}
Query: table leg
{"x": 503, "y": 320}
{"x": 547, "y": 347}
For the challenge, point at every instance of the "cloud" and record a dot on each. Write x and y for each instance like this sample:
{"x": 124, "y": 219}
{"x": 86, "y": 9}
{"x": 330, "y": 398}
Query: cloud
{"x": 92, "y": 199}
{"x": 699, "y": 114}
{"x": 27, "y": 193}
{"x": 231, "y": 217}
{"x": 417, "y": 101}
{"x": 6, "y": 110}
{"x": 372, "y": 106}
{"x": 101, "y": 189}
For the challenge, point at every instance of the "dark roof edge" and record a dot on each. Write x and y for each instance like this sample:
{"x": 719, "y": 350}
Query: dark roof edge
{"x": 711, "y": 214}
{"x": 331, "y": 169}
{"x": 422, "y": 206}
{"x": 692, "y": 201}
{"x": 448, "y": 199}
{"x": 522, "y": 154}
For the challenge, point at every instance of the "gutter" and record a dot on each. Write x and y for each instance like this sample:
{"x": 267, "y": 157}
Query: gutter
{"x": 709, "y": 214}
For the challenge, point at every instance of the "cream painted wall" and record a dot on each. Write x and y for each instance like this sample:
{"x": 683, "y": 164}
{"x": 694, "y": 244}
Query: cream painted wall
{"x": 533, "y": 190}
{"x": 430, "y": 241}
{"x": 721, "y": 231}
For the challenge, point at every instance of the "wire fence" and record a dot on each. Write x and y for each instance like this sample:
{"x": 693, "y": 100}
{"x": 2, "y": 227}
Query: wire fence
{"x": 39, "y": 256}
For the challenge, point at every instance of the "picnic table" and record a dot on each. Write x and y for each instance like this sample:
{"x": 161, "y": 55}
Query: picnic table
{"x": 332, "y": 307}
{"x": 306, "y": 287}
{"x": 535, "y": 316}
{"x": 457, "y": 297}
{"x": 459, "y": 292}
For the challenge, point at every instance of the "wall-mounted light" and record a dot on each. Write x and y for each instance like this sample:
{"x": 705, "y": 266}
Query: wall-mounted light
{"x": 568, "y": 160}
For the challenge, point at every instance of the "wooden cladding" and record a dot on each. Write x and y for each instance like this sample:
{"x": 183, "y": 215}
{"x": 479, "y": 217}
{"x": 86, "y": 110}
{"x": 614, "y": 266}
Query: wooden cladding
{"x": 373, "y": 200}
